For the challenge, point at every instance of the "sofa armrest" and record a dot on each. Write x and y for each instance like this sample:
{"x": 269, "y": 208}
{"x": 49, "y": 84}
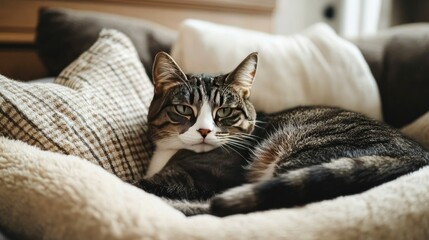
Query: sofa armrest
{"x": 398, "y": 58}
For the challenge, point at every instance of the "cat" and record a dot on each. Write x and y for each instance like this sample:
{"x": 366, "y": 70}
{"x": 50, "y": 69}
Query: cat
{"x": 193, "y": 158}
{"x": 213, "y": 151}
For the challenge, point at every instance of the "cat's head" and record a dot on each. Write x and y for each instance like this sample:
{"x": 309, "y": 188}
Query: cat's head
{"x": 200, "y": 112}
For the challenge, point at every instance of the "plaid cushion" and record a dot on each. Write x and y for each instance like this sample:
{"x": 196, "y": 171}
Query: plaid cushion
{"x": 96, "y": 109}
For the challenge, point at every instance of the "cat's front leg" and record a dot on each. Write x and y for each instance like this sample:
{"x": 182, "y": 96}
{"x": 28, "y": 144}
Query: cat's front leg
{"x": 172, "y": 183}
{"x": 164, "y": 185}
{"x": 151, "y": 186}
{"x": 175, "y": 197}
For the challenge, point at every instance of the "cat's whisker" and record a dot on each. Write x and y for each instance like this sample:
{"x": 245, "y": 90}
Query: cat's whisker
{"x": 245, "y": 134}
{"x": 229, "y": 139}
{"x": 250, "y": 135}
{"x": 247, "y": 148}
{"x": 258, "y": 121}
{"x": 238, "y": 138}
{"x": 237, "y": 144}
{"x": 241, "y": 140}
{"x": 235, "y": 151}
{"x": 224, "y": 148}
{"x": 244, "y": 138}
{"x": 241, "y": 145}
{"x": 257, "y": 126}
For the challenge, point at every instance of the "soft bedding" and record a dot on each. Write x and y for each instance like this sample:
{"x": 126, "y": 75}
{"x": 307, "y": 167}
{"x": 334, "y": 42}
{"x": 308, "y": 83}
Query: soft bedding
{"x": 48, "y": 195}
{"x": 45, "y": 195}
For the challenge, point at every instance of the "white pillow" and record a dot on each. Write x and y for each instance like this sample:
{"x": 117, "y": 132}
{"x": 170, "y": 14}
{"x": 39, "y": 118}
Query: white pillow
{"x": 313, "y": 67}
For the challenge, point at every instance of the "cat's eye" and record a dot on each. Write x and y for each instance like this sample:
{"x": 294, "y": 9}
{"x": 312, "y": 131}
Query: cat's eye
{"x": 184, "y": 110}
{"x": 224, "y": 112}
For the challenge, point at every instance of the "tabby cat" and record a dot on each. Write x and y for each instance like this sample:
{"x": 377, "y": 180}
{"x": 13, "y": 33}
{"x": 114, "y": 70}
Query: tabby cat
{"x": 208, "y": 140}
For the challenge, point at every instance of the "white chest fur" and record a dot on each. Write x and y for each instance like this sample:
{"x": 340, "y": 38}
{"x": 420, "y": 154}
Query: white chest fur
{"x": 159, "y": 160}
{"x": 191, "y": 140}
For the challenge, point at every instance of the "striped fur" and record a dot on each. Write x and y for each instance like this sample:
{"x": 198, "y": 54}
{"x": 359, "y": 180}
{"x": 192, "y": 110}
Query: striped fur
{"x": 315, "y": 153}
{"x": 294, "y": 157}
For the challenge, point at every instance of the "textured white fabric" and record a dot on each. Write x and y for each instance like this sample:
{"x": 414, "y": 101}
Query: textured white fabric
{"x": 46, "y": 195}
{"x": 313, "y": 67}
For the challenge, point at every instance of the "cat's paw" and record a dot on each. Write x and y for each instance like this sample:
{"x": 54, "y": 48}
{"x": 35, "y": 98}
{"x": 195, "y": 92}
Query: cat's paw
{"x": 189, "y": 208}
{"x": 240, "y": 199}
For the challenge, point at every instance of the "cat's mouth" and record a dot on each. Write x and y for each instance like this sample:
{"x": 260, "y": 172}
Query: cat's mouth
{"x": 202, "y": 143}
{"x": 199, "y": 144}
{"x": 202, "y": 147}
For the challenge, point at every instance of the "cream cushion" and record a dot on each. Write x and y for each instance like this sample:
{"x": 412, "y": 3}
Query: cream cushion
{"x": 315, "y": 67}
{"x": 46, "y": 195}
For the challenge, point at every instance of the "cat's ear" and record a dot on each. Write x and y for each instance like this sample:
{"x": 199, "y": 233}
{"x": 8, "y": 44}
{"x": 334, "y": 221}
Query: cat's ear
{"x": 241, "y": 78}
{"x": 166, "y": 73}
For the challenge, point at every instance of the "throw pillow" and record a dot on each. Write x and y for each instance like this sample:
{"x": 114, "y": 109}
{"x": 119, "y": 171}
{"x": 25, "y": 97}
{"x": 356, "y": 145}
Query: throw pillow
{"x": 75, "y": 31}
{"x": 96, "y": 109}
{"x": 313, "y": 67}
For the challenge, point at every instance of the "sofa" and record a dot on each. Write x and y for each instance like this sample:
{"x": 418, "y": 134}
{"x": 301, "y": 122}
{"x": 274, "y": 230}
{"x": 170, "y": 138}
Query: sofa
{"x": 53, "y": 188}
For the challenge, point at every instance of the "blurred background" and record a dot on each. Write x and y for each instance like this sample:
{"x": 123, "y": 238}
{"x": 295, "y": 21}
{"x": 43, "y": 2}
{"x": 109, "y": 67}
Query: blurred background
{"x": 350, "y": 18}
{"x": 38, "y": 44}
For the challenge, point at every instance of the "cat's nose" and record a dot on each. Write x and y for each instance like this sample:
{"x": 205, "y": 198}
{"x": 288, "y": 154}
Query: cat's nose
{"x": 204, "y": 132}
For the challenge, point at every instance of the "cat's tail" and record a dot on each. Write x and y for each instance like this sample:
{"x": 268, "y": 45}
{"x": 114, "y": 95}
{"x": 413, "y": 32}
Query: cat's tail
{"x": 339, "y": 177}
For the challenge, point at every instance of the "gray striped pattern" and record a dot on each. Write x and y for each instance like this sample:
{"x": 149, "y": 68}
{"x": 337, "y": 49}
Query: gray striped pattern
{"x": 96, "y": 109}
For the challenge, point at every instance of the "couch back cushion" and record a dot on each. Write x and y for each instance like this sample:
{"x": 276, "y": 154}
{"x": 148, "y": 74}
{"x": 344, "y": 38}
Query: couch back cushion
{"x": 63, "y": 34}
{"x": 399, "y": 62}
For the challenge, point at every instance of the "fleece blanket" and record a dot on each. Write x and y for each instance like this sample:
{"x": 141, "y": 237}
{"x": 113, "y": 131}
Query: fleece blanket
{"x": 45, "y": 195}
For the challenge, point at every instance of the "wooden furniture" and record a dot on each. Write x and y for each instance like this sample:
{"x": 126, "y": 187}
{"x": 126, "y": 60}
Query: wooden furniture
{"x": 18, "y": 19}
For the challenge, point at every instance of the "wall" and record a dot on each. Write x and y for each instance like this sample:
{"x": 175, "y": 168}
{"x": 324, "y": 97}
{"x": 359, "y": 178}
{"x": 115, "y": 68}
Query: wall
{"x": 18, "y": 19}
{"x": 350, "y": 18}
{"x": 292, "y": 16}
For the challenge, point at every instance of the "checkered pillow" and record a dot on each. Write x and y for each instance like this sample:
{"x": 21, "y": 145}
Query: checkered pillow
{"x": 96, "y": 109}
